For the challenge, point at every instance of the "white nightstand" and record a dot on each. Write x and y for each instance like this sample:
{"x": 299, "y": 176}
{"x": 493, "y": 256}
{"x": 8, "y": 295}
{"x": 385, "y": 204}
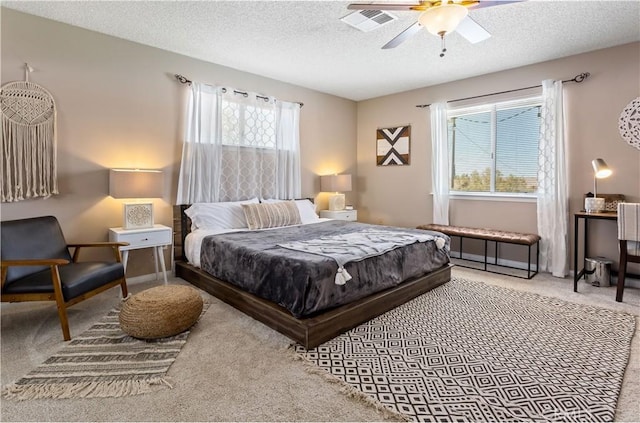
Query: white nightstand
{"x": 156, "y": 238}
{"x": 351, "y": 215}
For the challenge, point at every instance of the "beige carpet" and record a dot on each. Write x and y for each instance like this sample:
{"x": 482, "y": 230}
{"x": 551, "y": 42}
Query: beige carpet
{"x": 236, "y": 369}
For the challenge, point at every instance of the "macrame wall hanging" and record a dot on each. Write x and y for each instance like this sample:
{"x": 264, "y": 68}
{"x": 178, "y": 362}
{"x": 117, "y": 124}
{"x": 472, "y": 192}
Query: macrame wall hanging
{"x": 28, "y": 141}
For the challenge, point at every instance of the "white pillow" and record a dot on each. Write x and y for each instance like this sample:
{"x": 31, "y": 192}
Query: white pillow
{"x": 226, "y": 215}
{"x": 306, "y": 209}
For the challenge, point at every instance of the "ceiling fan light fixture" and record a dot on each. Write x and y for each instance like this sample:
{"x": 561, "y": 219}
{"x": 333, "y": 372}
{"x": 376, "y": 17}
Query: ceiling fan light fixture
{"x": 441, "y": 20}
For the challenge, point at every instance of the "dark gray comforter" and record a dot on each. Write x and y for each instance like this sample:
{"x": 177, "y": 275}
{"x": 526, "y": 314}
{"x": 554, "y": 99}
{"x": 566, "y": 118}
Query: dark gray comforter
{"x": 304, "y": 283}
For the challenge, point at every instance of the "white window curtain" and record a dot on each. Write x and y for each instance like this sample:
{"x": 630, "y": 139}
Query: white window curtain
{"x": 199, "y": 179}
{"x": 553, "y": 183}
{"x": 440, "y": 163}
{"x": 288, "y": 183}
{"x": 238, "y": 146}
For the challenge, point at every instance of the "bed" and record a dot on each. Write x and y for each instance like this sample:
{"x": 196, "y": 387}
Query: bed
{"x": 273, "y": 275}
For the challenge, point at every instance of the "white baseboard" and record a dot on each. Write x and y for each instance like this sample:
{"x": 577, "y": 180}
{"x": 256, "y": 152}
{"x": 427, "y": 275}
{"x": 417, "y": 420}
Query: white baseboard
{"x": 149, "y": 277}
{"x": 630, "y": 282}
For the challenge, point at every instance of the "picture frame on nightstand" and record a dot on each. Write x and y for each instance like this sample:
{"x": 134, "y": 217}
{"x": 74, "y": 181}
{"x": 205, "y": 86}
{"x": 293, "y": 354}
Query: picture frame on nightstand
{"x": 137, "y": 215}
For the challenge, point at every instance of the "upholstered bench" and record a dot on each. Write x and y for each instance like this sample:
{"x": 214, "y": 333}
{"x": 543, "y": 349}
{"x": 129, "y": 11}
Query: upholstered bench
{"x": 161, "y": 311}
{"x": 493, "y": 235}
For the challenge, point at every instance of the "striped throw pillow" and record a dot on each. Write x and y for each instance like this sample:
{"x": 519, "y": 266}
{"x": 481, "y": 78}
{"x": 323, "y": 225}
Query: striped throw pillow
{"x": 271, "y": 215}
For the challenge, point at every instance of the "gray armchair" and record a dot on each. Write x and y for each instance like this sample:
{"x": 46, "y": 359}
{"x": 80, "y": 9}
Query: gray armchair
{"x": 37, "y": 266}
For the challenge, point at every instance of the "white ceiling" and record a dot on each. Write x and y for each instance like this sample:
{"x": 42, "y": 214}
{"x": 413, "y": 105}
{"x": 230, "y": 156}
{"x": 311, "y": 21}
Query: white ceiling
{"x": 305, "y": 43}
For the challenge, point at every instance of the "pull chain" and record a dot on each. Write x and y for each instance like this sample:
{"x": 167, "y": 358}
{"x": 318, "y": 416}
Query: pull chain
{"x": 444, "y": 47}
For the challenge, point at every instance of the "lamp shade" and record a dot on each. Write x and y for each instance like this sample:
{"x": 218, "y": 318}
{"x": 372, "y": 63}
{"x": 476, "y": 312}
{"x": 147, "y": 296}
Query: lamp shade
{"x": 335, "y": 183}
{"x": 600, "y": 169}
{"x": 135, "y": 183}
{"x": 441, "y": 20}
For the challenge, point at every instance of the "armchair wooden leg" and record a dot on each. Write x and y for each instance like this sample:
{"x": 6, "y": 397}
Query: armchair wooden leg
{"x": 64, "y": 322}
{"x": 123, "y": 286}
{"x": 60, "y": 303}
{"x": 622, "y": 270}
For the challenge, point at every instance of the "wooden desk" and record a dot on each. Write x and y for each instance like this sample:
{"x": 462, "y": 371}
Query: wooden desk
{"x": 586, "y": 217}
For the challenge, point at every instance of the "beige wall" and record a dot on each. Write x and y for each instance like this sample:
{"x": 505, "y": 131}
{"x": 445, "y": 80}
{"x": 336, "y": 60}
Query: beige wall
{"x": 120, "y": 106}
{"x": 401, "y": 195}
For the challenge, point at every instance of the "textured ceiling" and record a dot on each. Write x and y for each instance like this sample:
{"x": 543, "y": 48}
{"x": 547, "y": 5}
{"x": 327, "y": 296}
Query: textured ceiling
{"x": 305, "y": 43}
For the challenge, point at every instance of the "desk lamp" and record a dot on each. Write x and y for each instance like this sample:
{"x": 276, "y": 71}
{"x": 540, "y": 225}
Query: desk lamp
{"x": 600, "y": 170}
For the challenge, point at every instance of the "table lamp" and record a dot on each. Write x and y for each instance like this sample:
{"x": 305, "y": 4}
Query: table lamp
{"x": 338, "y": 184}
{"x": 136, "y": 184}
{"x": 600, "y": 170}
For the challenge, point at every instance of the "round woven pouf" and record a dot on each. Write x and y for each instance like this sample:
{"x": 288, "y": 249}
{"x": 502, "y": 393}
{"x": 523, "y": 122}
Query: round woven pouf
{"x": 160, "y": 312}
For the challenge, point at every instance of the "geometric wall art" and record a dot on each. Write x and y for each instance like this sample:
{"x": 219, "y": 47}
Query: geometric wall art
{"x": 393, "y": 146}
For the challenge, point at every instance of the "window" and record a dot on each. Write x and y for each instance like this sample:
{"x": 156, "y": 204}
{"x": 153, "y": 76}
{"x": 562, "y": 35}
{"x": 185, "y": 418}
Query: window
{"x": 248, "y": 125}
{"x": 238, "y": 145}
{"x": 493, "y": 149}
{"x": 248, "y": 158}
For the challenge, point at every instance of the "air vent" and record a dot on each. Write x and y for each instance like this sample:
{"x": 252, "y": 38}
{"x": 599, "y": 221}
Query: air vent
{"x": 368, "y": 20}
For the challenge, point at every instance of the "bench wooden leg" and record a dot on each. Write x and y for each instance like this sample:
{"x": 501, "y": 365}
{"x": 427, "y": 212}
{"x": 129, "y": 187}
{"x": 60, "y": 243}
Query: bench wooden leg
{"x": 537, "y": 256}
{"x": 485, "y": 255}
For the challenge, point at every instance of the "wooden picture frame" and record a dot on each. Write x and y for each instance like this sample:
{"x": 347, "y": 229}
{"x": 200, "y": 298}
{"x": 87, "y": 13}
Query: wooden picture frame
{"x": 393, "y": 146}
{"x": 137, "y": 215}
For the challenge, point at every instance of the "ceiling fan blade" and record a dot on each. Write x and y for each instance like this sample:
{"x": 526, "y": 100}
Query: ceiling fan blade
{"x": 472, "y": 30}
{"x": 424, "y": 5}
{"x": 389, "y": 6}
{"x": 403, "y": 36}
{"x": 488, "y": 3}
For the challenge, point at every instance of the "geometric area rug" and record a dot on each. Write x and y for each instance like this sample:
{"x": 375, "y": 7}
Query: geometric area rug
{"x": 102, "y": 362}
{"x": 470, "y": 351}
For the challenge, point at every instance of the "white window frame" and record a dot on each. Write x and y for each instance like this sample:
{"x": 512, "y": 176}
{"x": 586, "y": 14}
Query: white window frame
{"x": 492, "y": 107}
{"x": 241, "y": 123}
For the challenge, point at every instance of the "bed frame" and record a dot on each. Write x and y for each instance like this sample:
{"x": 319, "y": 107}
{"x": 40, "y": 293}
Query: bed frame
{"x": 311, "y": 331}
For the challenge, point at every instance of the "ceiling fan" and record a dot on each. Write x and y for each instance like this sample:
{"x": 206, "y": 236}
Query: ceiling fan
{"x": 439, "y": 17}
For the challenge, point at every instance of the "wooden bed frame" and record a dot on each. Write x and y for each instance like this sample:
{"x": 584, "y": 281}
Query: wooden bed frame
{"x": 312, "y": 331}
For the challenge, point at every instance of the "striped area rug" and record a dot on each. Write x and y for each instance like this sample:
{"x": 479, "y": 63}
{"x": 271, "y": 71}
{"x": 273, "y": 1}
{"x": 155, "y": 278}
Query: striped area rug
{"x": 470, "y": 351}
{"x": 101, "y": 362}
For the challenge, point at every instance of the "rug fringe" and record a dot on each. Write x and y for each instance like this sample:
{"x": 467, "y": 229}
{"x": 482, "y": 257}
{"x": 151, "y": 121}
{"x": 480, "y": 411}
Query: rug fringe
{"x": 118, "y": 388}
{"x": 347, "y": 389}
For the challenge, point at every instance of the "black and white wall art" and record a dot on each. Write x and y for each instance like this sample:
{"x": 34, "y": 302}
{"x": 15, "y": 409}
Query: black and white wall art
{"x": 393, "y": 146}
